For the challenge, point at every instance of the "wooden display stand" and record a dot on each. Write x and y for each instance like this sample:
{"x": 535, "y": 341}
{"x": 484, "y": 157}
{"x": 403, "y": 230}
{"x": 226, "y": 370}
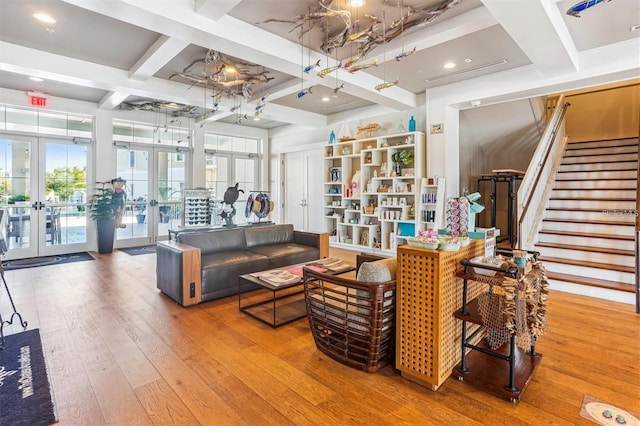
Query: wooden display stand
{"x": 191, "y": 272}
{"x": 428, "y": 293}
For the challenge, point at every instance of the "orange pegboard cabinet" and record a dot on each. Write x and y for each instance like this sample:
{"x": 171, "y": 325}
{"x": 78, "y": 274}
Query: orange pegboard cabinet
{"x": 427, "y": 294}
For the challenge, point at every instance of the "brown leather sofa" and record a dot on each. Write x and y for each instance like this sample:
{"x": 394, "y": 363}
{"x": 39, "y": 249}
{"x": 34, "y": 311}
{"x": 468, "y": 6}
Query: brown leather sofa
{"x": 221, "y": 255}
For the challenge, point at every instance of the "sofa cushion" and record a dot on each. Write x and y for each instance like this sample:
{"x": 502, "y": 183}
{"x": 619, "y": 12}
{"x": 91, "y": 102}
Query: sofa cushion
{"x": 268, "y": 234}
{"x": 214, "y": 241}
{"x": 220, "y": 271}
{"x": 378, "y": 271}
{"x": 286, "y": 254}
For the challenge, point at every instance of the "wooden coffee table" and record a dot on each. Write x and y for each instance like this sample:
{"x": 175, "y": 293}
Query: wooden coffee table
{"x": 283, "y": 303}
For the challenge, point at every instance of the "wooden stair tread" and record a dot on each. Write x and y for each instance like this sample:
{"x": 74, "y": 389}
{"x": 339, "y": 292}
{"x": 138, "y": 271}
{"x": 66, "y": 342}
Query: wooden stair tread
{"x": 601, "y": 161}
{"x": 593, "y": 282}
{"x": 626, "y": 142}
{"x": 588, "y": 248}
{"x": 588, "y": 234}
{"x": 630, "y": 169}
{"x": 591, "y": 222}
{"x": 592, "y": 199}
{"x": 596, "y": 180}
{"x": 575, "y": 209}
{"x": 587, "y": 264}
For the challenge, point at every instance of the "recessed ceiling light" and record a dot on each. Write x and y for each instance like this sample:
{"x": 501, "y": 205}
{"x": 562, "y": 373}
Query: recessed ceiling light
{"x": 38, "y": 79}
{"x": 356, "y": 3}
{"x": 635, "y": 28}
{"x": 326, "y": 99}
{"x": 256, "y": 118}
{"x": 449, "y": 65}
{"x": 230, "y": 70}
{"x": 467, "y": 60}
{"x": 44, "y": 18}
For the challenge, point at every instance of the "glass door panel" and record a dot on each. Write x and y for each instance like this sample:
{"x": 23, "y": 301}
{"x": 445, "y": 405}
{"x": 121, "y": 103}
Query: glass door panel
{"x": 64, "y": 196}
{"x": 246, "y": 177}
{"x": 171, "y": 182}
{"x": 15, "y": 195}
{"x": 132, "y": 165}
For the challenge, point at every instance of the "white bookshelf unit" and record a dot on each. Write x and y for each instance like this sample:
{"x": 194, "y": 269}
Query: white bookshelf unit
{"x": 384, "y": 207}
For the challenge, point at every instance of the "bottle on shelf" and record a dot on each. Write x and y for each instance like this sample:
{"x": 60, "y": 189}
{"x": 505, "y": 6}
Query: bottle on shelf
{"x": 412, "y": 124}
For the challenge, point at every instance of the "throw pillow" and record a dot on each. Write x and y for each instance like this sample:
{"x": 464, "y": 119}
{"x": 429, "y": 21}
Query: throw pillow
{"x": 378, "y": 271}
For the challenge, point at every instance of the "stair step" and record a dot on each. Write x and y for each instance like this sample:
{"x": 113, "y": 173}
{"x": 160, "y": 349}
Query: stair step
{"x": 589, "y": 264}
{"x": 593, "y": 167}
{"x": 614, "y": 158}
{"x": 593, "y": 226}
{"x": 593, "y": 282}
{"x": 583, "y": 152}
{"x": 597, "y": 175}
{"x": 597, "y": 184}
{"x": 600, "y": 194}
{"x": 602, "y": 143}
{"x": 589, "y": 235}
{"x": 589, "y": 214}
{"x": 592, "y": 249}
{"x": 614, "y": 242}
{"x": 611, "y": 205}
{"x": 585, "y": 269}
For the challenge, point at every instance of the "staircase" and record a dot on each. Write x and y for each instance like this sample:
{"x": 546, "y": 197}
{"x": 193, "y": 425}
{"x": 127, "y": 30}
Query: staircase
{"x": 587, "y": 236}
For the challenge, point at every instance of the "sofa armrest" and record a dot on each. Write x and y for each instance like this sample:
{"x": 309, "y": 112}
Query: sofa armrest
{"x": 320, "y": 240}
{"x": 178, "y": 272}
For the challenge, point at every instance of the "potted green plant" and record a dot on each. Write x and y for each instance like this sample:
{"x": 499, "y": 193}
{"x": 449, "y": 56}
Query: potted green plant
{"x": 404, "y": 157}
{"x": 101, "y": 211}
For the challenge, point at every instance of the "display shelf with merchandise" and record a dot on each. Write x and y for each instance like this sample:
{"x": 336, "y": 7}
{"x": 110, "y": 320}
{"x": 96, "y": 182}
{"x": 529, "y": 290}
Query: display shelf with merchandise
{"x": 378, "y": 193}
{"x": 431, "y": 212}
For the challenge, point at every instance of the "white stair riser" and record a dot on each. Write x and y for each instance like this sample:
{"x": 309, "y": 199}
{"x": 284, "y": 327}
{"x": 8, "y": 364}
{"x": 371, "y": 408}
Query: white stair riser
{"x": 587, "y": 256}
{"x": 592, "y": 167}
{"x": 600, "y": 293}
{"x": 588, "y": 216}
{"x": 594, "y": 182}
{"x": 611, "y": 207}
{"x": 603, "y": 151}
{"x": 602, "y": 144}
{"x": 600, "y": 158}
{"x": 586, "y": 241}
{"x": 583, "y": 271}
{"x": 595, "y": 167}
{"x": 588, "y": 228}
{"x": 594, "y": 194}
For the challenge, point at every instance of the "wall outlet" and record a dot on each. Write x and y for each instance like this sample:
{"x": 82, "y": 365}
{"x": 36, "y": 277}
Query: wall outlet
{"x": 192, "y": 290}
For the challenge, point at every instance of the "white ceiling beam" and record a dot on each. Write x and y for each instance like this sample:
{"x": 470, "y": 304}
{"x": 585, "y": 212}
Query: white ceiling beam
{"x": 461, "y": 25}
{"x": 27, "y": 61}
{"x": 157, "y": 56}
{"x": 215, "y": 9}
{"x": 547, "y": 43}
{"x": 239, "y": 39}
{"x": 112, "y": 100}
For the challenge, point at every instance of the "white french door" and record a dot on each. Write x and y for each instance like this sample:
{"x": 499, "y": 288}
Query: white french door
{"x": 303, "y": 185}
{"x": 43, "y": 190}
{"x": 155, "y": 179}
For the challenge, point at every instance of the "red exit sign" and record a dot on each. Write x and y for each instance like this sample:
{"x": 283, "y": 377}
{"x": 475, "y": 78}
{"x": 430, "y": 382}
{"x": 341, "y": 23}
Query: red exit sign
{"x": 38, "y": 101}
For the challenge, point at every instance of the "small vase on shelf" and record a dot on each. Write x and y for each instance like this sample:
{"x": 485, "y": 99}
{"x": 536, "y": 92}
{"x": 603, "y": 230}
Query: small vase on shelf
{"x": 412, "y": 124}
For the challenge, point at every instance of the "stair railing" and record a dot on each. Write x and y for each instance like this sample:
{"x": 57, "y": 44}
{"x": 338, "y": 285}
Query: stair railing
{"x": 537, "y": 182}
{"x": 637, "y": 233}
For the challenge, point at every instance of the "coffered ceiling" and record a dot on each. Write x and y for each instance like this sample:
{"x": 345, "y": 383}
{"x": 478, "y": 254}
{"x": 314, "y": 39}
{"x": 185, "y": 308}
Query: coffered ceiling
{"x": 133, "y": 51}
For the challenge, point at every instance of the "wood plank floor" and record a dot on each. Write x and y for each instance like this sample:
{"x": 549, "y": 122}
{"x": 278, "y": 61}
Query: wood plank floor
{"x": 119, "y": 352}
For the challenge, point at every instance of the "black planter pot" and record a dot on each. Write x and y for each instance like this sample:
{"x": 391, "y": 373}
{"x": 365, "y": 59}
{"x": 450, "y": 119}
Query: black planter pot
{"x": 106, "y": 234}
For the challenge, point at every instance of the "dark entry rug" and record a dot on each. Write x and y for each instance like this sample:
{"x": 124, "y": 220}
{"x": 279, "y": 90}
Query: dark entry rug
{"x": 10, "y": 265}
{"x": 25, "y": 394}
{"x": 134, "y": 251}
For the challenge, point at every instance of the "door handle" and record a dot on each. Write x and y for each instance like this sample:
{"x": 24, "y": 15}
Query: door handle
{"x": 153, "y": 203}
